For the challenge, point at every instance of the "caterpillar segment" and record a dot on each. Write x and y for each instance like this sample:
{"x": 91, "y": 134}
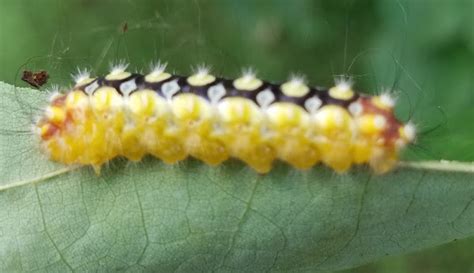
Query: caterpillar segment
{"x": 212, "y": 119}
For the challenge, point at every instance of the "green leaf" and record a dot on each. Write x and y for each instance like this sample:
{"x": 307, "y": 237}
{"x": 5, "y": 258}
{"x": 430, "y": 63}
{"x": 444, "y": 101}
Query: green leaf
{"x": 152, "y": 217}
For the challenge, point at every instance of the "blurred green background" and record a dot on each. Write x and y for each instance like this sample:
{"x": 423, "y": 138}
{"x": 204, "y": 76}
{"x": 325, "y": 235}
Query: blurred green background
{"x": 421, "y": 50}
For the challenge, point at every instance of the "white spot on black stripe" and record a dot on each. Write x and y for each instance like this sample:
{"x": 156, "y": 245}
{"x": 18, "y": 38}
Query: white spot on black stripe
{"x": 91, "y": 88}
{"x": 169, "y": 89}
{"x": 355, "y": 108}
{"x": 312, "y": 104}
{"x": 216, "y": 92}
{"x": 265, "y": 98}
{"x": 128, "y": 86}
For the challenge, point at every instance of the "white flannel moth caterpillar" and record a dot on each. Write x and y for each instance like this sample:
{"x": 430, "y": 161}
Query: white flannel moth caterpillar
{"x": 210, "y": 118}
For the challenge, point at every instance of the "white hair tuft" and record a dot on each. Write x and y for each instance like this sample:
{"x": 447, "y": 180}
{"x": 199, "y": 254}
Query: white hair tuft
{"x": 119, "y": 67}
{"x": 81, "y": 75}
{"x": 344, "y": 82}
{"x": 158, "y": 67}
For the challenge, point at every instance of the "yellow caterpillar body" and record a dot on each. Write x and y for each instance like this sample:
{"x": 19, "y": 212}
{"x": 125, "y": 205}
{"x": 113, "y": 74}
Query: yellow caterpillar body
{"x": 172, "y": 117}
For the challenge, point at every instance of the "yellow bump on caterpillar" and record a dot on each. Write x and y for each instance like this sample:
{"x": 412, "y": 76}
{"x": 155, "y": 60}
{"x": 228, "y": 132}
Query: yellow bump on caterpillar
{"x": 201, "y": 77}
{"x": 158, "y": 73}
{"x": 210, "y": 118}
{"x": 295, "y": 87}
{"x": 242, "y": 122}
{"x": 118, "y": 72}
{"x": 342, "y": 90}
{"x": 248, "y": 81}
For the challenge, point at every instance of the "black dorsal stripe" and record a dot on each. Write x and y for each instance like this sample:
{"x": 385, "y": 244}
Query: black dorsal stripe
{"x": 248, "y": 94}
{"x": 228, "y": 84}
{"x": 102, "y": 81}
{"x": 200, "y": 91}
{"x": 327, "y": 99}
{"x": 156, "y": 86}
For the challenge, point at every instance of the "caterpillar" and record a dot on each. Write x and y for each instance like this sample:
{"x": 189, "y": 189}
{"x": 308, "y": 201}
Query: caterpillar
{"x": 212, "y": 119}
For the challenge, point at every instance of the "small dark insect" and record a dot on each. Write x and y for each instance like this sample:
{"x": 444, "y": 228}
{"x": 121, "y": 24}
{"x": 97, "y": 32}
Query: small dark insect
{"x": 35, "y": 79}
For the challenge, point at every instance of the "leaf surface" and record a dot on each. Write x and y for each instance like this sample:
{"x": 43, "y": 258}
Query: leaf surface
{"x": 189, "y": 217}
